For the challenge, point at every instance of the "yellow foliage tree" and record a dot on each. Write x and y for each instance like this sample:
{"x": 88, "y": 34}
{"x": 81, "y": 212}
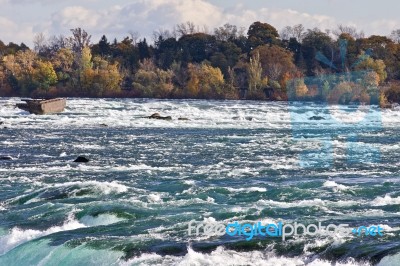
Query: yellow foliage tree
{"x": 205, "y": 81}
{"x": 257, "y": 82}
{"x": 29, "y": 72}
{"x": 151, "y": 81}
{"x": 348, "y": 92}
{"x": 62, "y": 62}
{"x": 99, "y": 77}
{"x": 368, "y": 63}
{"x": 44, "y": 75}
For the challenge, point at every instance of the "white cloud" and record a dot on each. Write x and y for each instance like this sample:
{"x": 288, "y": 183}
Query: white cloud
{"x": 33, "y": 2}
{"x": 11, "y": 31}
{"x": 76, "y": 16}
{"x": 376, "y": 27}
{"x": 146, "y": 16}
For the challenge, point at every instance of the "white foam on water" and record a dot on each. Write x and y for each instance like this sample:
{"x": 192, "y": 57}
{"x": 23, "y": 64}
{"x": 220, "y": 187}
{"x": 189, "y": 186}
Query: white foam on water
{"x": 18, "y": 236}
{"x": 142, "y": 166}
{"x": 247, "y": 190}
{"x": 210, "y": 200}
{"x": 101, "y": 219}
{"x": 131, "y": 113}
{"x": 102, "y": 187}
{"x": 154, "y": 198}
{"x": 222, "y": 257}
{"x": 240, "y": 172}
{"x": 308, "y": 203}
{"x": 387, "y": 200}
{"x": 335, "y": 186}
{"x": 189, "y": 182}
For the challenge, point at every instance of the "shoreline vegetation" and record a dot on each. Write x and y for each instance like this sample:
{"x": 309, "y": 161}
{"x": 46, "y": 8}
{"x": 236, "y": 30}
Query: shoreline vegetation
{"x": 341, "y": 66}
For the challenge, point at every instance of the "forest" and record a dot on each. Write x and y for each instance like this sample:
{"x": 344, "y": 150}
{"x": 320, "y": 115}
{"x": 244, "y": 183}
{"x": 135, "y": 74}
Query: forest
{"x": 259, "y": 63}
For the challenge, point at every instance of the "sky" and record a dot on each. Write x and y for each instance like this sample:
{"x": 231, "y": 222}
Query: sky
{"x": 21, "y": 20}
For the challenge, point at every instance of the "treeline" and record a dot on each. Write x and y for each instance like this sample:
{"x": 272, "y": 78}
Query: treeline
{"x": 227, "y": 63}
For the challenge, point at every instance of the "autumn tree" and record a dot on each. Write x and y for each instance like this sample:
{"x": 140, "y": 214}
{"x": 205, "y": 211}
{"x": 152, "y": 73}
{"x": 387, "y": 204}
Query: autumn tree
{"x": 40, "y": 43}
{"x": 317, "y": 42}
{"x": 44, "y": 75}
{"x": 348, "y": 30}
{"x": 226, "y": 57}
{"x": 376, "y": 65}
{"x": 349, "y": 52}
{"x": 228, "y": 32}
{"x": 21, "y": 67}
{"x": 151, "y": 81}
{"x": 205, "y": 81}
{"x": 29, "y": 72}
{"x": 257, "y": 82}
{"x": 127, "y": 54}
{"x": 276, "y": 62}
{"x": 296, "y": 32}
{"x": 168, "y": 51}
{"x": 260, "y": 34}
{"x": 97, "y": 76}
{"x": 348, "y": 92}
{"x": 384, "y": 49}
{"x": 197, "y": 47}
{"x": 63, "y": 61}
{"x": 79, "y": 40}
{"x": 5, "y": 86}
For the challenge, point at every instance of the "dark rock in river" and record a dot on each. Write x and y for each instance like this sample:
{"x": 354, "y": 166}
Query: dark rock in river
{"x": 158, "y": 116}
{"x": 183, "y": 119}
{"x": 81, "y": 159}
{"x": 315, "y": 117}
{"x": 155, "y": 116}
{"x": 5, "y": 158}
{"x": 104, "y": 125}
{"x": 248, "y": 118}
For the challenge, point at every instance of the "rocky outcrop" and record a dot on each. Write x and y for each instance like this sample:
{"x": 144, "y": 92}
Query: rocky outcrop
{"x": 81, "y": 159}
{"x": 316, "y": 117}
{"x": 248, "y": 118}
{"x": 158, "y": 116}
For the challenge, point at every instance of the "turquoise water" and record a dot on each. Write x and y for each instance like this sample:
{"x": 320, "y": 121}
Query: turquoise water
{"x": 146, "y": 179}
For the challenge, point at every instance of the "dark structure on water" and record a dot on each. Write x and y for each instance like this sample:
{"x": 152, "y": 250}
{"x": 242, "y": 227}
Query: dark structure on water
{"x": 41, "y": 107}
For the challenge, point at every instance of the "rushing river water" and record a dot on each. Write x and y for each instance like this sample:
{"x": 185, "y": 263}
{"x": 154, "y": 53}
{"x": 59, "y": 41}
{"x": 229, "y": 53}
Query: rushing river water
{"x": 232, "y": 161}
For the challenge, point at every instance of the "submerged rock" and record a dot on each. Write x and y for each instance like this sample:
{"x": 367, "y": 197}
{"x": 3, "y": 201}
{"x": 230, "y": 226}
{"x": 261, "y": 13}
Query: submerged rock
{"x": 316, "y": 117}
{"x": 81, "y": 159}
{"x": 183, "y": 119}
{"x": 6, "y": 158}
{"x": 104, "y": 125}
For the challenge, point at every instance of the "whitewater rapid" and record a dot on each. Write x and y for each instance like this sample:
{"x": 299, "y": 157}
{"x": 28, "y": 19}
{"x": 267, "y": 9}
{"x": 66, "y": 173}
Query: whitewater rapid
{"x": 231, "y": 161}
